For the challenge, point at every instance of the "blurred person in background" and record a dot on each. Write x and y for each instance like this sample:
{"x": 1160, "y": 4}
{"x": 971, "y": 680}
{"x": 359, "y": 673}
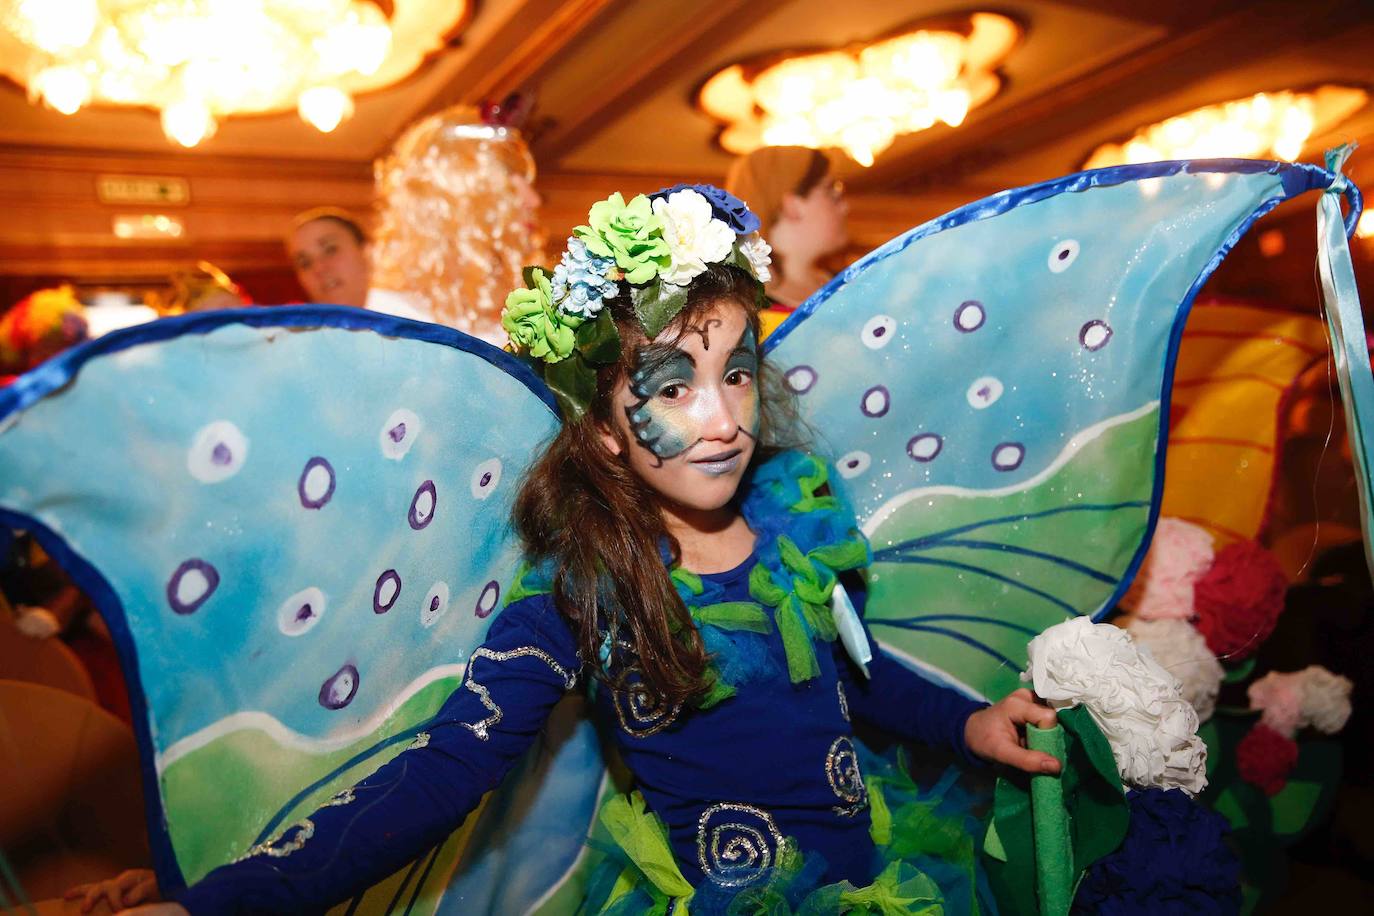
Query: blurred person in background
{"x": 802, "y": 209}
{"x": 330, "y": 253}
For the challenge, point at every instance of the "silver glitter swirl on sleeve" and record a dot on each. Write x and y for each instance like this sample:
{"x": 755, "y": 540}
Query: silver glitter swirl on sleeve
{"x": 421, "y": 740}
{"x": 844, "y": 700}
{"x": 736, "y": 843}
{"x": 842, "y": 771}
{"x": 481, "y": 729}
{"x": 280, "y": 847}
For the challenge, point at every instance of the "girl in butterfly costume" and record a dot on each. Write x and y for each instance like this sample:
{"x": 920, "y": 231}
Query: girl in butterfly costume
{"x": 682, "y": 564}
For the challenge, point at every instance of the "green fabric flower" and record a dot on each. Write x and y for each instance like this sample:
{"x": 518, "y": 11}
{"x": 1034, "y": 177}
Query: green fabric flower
{"x": 534, "y": 325}
{"x": 630, "y": 233}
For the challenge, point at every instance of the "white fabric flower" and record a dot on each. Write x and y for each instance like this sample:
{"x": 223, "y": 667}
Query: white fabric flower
{"x": 1136, "y": 703}
{"x": 1182, "y": 651}
{"x": 1180, "y": 554}
{"x": 695, "y": 237}
{"x": 759, "y": 254}
{"x": 1292, "y": 700}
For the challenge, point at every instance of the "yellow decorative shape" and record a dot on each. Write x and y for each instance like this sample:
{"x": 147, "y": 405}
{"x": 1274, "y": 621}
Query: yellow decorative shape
{"x": 1235, "y": 364}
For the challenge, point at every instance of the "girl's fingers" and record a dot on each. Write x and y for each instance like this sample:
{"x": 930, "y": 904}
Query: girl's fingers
{"x": 1023, "y": 709}
{"x": 141, "y": 892}
{"x": 1030, "y": 761}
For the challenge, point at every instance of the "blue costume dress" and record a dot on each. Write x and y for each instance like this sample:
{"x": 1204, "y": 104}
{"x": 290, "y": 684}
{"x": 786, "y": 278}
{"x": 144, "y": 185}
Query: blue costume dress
{"x": 761, "y": 777}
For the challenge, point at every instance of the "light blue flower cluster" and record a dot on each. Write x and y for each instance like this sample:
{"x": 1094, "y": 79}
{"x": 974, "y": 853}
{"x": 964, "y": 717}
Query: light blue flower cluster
{"x": 584, "y": 279}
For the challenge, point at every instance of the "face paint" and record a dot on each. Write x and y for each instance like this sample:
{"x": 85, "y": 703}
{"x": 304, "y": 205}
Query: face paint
{"x": 745, "y": 358}
{"x": 656, "y": 425}
{"x": 691, "y": 410}
{"x": 667, "y": 423}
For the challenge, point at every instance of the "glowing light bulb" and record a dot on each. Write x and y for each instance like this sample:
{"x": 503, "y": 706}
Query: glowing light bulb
{"x": 951, "y": 106}
{"x": 1288, "y": 148}
{"x": 324, "y": 107}
{"x": 359, "y": 42}
{"x": 64, "y": 88}
{"x": 57, "y": 25}
{"x": 188, "y": 122}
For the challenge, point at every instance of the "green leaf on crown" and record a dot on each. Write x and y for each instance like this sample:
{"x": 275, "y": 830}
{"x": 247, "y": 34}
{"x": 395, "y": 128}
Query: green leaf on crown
{"x": 657, "y": 304}
{"x": 573, "y": 383}
{"x": 598, "y": 340}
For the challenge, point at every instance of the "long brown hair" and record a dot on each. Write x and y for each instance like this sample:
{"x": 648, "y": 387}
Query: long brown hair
{"x": 582, "y": 507}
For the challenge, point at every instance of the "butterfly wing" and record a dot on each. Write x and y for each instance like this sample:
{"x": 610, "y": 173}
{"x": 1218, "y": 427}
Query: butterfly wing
{"x": 296, "y": 523}
{"x": 995, "y": 382}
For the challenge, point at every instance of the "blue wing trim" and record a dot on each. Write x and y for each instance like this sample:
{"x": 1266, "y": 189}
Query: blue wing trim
{"x": 169, "y": 876}
{"x": 59, "y": 371}
{"x": 1297, "y": 178}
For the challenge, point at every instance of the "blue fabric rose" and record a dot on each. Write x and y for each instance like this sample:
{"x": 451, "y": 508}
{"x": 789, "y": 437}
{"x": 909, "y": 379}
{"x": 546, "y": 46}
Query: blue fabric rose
{"x": 1174, "y": 860}
{"x": 582, "y": 281}
{"x": 726, "y": 207}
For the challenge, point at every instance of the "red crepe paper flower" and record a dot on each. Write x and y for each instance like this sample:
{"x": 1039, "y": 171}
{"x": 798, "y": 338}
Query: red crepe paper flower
{"x": 1239, "y": 599}
{"x": 1265, "y": 758}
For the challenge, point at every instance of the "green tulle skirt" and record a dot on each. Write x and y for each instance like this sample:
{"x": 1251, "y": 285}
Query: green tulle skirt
{"x": 925, "y": 861}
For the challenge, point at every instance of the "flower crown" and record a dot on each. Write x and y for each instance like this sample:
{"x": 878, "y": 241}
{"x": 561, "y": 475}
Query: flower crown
{"x": 657, "y": 245}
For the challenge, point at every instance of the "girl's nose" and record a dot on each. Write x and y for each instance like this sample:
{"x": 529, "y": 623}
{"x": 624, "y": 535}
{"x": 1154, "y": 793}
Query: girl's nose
{"x": 719, "y": 421}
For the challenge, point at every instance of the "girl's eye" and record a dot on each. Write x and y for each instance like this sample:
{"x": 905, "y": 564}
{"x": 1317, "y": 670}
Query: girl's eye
{"x": 671, "y": 392}
{"x": 738, "y": 377}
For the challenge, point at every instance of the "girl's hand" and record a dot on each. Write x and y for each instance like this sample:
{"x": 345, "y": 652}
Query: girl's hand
{"x": 130, "y": 888}
{"x": 994, "y": 733}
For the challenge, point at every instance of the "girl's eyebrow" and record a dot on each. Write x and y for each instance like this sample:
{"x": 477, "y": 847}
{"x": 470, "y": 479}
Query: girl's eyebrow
{"x": 655, "y": 356}
{"x": 746, "y": 343}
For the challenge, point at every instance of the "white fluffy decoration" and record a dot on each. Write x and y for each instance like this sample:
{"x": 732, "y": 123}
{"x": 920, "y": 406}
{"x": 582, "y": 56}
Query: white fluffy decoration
{"x": 1181, "y": 650}
{"x": 1136, "y": 703}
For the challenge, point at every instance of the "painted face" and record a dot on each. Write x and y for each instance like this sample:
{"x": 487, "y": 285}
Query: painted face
{"x": 330, "y": 263}
{"x": 690, "y": 409}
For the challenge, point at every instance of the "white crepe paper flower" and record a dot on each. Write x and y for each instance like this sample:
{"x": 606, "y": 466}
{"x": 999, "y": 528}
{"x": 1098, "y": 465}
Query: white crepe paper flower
{"x": 1138, "y": 705}
{"x": 695, "y": 237}
{"x": 1291, "y": 700}
{"x": 1181, "y": 650}
{"x": 759, "y": 254}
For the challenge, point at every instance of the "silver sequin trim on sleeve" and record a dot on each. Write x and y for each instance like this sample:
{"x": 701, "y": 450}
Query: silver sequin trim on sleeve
{"x": 281, "y": 847}
{"x": 844, "y": 700}
{"x": 480, "y": 729}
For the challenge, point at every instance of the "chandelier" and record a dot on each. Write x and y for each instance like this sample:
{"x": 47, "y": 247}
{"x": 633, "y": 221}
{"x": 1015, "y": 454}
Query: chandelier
{"x": 861, "y": 98}
{"x": 1267, "y": 124}
{"x": 197, "y": 61}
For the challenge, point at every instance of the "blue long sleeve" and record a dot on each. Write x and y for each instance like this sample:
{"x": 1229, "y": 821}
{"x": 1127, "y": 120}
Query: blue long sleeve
{"x": 902, "y": 702}
{"x": 529, "y": 660}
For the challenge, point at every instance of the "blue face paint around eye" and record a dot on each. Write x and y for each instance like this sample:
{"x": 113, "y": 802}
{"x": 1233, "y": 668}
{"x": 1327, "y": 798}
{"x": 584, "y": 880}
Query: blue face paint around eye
{"x": 745, "y": 357}
{"x": 658, "y": 427}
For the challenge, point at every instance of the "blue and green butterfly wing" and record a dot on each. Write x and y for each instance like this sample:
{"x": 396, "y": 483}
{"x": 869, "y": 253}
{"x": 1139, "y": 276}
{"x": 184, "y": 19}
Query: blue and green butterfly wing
{"x": 296, "y": 522}
{"x": 993, "y": 385}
